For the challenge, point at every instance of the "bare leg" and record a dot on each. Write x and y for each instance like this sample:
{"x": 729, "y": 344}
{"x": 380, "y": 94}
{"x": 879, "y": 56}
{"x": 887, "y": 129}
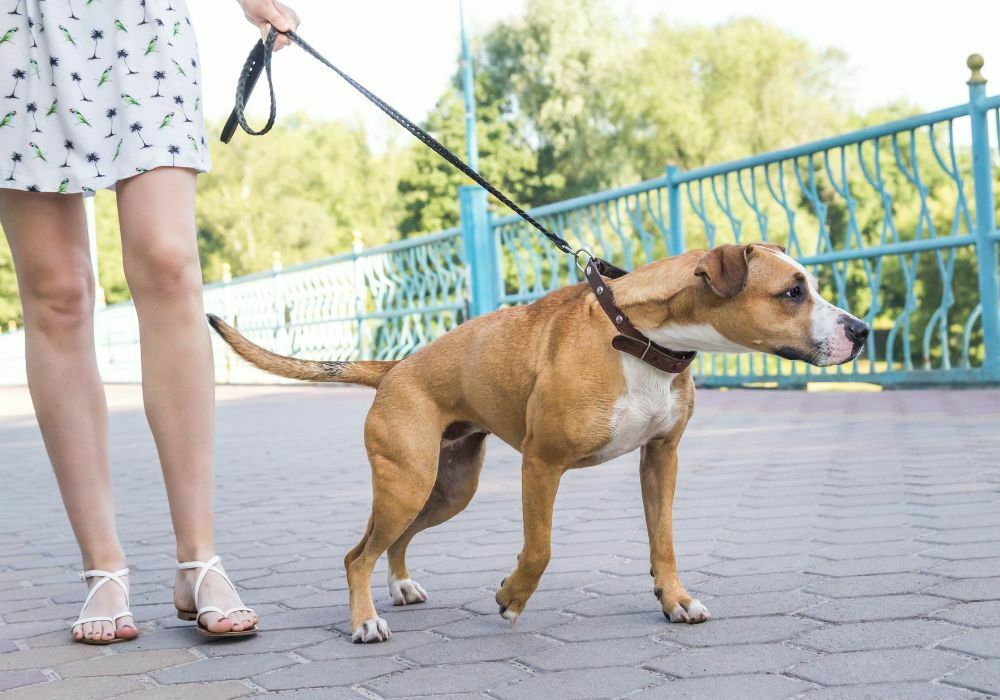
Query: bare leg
{"x": 539, "y": 484}
{"x": 658, "y": 472}
{"x": 48, "y": 239}
{"x": 160, "y": 253}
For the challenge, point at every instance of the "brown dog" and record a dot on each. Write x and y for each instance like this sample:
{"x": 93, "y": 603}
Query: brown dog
{"x": 545, "y": 380}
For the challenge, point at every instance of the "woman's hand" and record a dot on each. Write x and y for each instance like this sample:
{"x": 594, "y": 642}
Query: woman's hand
{"x": 265, "y": 14}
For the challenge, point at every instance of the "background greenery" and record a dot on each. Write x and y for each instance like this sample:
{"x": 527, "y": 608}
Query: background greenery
{"x": 570, "y": 100}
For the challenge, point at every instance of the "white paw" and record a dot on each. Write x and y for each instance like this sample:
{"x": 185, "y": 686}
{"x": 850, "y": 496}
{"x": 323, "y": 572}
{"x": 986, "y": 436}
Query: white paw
{"x": 406, "y": 591}
{"x": 510, "y": 616}
{"x": 370, "y": 631}
{"x": 695, "y": 612}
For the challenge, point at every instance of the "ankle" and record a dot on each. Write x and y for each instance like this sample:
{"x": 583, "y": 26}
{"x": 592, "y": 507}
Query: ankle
{"x": 106, "y": 560}
{"x": 195, "y": 552}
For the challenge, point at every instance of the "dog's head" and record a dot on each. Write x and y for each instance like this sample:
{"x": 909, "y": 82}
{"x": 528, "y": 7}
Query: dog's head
{"x": 756, "y": 298}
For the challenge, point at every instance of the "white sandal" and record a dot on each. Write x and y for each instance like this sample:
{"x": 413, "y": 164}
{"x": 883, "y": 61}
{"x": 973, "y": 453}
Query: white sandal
{"x": 105, "y": 577}
{"x": 188, "y": 615}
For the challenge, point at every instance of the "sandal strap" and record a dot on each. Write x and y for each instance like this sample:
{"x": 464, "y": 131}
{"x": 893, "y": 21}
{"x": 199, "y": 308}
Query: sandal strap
{"x": 103, "y": 618}
{"x": 207, "y": 567}
{"x": 105, "y": 576}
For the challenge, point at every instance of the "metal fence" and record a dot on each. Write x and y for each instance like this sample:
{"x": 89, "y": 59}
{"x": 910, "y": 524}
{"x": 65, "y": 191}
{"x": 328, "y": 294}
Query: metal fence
{"x": 897, "y": 221}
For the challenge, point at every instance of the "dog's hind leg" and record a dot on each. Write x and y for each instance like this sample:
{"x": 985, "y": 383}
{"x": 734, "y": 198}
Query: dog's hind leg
{"x": 658, "y": 473}
{"x": 404, "y": 469}
{"x": 539, "y": 483}
{"x": 459, "y": 466}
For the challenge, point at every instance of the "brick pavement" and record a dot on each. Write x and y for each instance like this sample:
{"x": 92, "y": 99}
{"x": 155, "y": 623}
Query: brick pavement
{"x": 847, "y": 545}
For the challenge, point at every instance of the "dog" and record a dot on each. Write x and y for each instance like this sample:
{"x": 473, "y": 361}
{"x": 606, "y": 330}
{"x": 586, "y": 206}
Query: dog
{"x": 545, "y": 379}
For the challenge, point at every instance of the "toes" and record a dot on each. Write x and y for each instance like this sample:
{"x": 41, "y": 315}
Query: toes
{"x": 677, "y": 614}
{"x": 242, "y": 620}
{"x": 216, "y": 623}
{"x": 510, "y": 615}
{"x": 407, "y": 592}
{"x": 371, "y": 631}
{"x": 697, "y": 612}
{"x": 125, "y": 628}
{"x": 692, "y": 612}
{"x": 77, "y": 632}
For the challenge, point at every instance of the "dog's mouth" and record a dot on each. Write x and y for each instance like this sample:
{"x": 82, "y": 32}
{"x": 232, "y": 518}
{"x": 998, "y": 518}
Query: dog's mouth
{"x": 821, "y": 354}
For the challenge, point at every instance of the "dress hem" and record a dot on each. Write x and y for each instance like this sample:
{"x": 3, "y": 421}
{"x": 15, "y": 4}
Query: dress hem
{"x": 108, "y": 182}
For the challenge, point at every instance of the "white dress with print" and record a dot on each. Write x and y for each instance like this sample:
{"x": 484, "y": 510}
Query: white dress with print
{"x": 96, "y": 91}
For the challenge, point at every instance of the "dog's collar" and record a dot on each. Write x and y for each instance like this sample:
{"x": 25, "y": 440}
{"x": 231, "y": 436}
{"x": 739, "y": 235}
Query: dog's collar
{"x": 630, "y": 339}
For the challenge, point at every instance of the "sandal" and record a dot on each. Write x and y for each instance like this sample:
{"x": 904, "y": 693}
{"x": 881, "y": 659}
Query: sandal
{"x": 105, "y": 577}
{"x": 195, "y": 615}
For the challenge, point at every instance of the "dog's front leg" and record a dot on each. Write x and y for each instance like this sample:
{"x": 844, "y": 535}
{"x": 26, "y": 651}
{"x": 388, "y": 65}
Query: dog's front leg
{"x": 658, "y": 472}
{"x": 539, "y": 483}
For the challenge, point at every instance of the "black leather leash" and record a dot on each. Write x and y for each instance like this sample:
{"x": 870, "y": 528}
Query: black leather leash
{"x": 630, "y": 340}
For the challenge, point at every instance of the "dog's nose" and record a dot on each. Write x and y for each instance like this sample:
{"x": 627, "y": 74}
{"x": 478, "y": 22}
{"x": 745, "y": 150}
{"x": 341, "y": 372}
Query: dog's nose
{"x": 857, "y": 330}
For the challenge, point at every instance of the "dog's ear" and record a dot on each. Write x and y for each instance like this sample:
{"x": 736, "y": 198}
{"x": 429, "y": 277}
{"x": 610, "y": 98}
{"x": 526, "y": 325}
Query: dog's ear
{"x": 772, "y": 246}
{"x": 724, "y": 269}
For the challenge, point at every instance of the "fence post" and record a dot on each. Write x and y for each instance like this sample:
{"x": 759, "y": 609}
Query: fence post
{"x": 982, "y": 177}
{"x": 360, "y": 290}
{"x": 480, "y": 251}
{"x": 676, "y": 213}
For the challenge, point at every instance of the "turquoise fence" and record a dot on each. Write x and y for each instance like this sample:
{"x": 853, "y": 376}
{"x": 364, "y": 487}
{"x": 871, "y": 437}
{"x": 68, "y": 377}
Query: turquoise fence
{"x": 897, "y": 221}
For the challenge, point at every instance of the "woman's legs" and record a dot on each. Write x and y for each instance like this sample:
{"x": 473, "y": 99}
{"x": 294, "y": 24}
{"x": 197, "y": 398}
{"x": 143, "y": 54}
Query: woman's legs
{"x": 160, "y": 252}
{"x": 48, "y": 239}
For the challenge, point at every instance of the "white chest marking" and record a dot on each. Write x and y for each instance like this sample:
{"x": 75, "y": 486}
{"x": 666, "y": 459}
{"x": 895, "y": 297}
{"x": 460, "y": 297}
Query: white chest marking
{"x": 647, "y": 410}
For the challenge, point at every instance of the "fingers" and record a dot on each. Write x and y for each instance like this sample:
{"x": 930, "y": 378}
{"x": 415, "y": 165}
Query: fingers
{"x": 282, "y": 18}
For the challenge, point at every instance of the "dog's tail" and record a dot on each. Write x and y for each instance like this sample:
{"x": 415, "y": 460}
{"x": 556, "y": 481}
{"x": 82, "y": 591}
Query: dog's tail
{"x": 367, "y": 373}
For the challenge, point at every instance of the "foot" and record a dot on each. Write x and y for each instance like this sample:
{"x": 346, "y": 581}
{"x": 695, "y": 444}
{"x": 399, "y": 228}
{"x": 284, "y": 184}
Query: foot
{"x": 371, "y": 631}
{"x": 405, "y": 591}
{"x": 108, "y": 601}
{"x": 513, "y": 596}
{"x": 214, "y": 591}
{"x": 681, "y": 607}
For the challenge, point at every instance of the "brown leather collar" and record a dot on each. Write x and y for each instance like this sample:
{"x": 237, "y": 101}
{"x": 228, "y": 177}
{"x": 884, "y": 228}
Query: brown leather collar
{"x": 630, "y": 339}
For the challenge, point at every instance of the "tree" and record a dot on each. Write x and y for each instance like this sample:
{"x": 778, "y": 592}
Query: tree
{"x": 699, "y": 95}
{"x": 305, "y": 202}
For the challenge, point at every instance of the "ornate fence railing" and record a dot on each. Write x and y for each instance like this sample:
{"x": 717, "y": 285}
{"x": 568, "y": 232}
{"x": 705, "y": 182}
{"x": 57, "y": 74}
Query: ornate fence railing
{"x": 897, "y": 221}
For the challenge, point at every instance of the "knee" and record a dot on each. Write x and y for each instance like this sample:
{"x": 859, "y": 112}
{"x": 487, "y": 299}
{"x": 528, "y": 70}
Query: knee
{"x": 59, "y": 301}
{"x": 164, "y": 270}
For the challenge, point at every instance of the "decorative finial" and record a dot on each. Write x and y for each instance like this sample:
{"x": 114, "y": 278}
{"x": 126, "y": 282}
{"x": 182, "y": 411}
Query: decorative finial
{"x": 975, "y": 63}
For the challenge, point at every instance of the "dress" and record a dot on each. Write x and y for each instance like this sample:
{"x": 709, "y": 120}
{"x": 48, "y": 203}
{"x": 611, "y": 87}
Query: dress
{"x": 96, "y": 91}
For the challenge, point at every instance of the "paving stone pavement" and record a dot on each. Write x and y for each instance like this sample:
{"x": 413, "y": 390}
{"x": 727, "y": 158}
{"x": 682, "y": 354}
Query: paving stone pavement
{"x": 847, "y": 545}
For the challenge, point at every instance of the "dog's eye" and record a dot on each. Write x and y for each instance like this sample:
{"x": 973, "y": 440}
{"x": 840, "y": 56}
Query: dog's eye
{"x": 794, "y": 293}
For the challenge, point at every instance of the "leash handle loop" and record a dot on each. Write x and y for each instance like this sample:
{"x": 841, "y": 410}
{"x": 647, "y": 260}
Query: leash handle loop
{"x": 258, "y": 60}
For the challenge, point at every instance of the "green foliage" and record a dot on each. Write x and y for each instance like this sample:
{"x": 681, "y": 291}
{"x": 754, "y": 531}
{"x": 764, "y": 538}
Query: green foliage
{"x": 572, "y": 98}
{"x": 10, "y": 307}
{"x": 700, "y": 95}
{"x": 301, "y": 191}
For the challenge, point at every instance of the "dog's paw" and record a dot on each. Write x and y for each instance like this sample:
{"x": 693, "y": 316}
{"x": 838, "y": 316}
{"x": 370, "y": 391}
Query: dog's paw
{"x": 371, "y": 631}
{"x": 406, "y": 591}
{"x": 510, "y": 602}
{"x": 691, "y": 612}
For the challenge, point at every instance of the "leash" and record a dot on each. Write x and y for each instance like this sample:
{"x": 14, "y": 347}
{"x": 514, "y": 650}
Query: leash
{"x": 629, "y": 340}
